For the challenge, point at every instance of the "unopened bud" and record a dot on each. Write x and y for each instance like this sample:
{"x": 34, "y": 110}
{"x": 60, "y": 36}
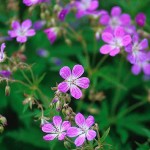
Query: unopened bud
{"x": 68, "y": 42}
{"x": 1, "y": 129}
{"x": 7, "y": 90}
{"x": 3, "y": 120}
{"x": 67, "y": 145}
{"x": 58, "y": 106}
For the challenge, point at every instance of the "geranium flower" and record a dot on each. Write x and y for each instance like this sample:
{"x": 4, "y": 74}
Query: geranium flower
{"x": 21, "y": 31}
{"x": 136, "y": 49}
{"x": 142, "y": 66}
{"x": 115, "y": 41}
{"x": 83, "y": 131}
{"x": 72, "y": 80}
{"x": 5, "y": 73}
{"x": 85, "y": 6}
{"x": 116, "y": 19}
{"x": 30, "y": 2}
{"x": 57, "y": 129}
{"x": 52, "y": 33}
{"x": 2, "y": 55}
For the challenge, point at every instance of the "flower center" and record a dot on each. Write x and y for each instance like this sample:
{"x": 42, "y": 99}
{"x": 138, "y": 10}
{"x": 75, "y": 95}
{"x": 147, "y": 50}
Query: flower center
{"x": 114, "y": 22}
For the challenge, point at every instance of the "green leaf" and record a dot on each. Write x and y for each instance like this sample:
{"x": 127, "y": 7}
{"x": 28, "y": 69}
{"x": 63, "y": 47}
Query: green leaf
{"x": 102, "y": 139}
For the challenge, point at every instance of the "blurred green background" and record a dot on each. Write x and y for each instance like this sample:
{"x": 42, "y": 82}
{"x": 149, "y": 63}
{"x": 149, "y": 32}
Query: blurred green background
{"x": 130, "y": 132}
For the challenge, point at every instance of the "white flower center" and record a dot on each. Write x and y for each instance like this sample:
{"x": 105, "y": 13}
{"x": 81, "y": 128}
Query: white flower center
{"x": 114, "y": 22}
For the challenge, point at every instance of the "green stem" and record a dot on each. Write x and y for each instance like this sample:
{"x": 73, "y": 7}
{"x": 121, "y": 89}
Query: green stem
{"x": 130, "y": 109}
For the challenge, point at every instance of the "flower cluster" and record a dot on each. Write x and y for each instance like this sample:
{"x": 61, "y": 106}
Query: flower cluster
{"x": 119, "y": 33}
{"x": 61, "y": 129}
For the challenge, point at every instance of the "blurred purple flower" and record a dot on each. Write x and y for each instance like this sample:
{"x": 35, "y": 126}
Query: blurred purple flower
{"x": 140, "y": 19}
{"x": 62, "y": 14}
{"x": 142, "y": 65}
{"x": 73, "y": 81}
{"x": 2, "y": 55}
{"x": 85, "y": 6}
{"x": 5, "y": 73}
{"x": 84, "y": 131}
{"x": 57, "y": 129}
{"x": 116, "y": 19}
{"x": 38, "y": 25}
{"x": 136, "y": 50}
{"x": 30, "y": 2}
{"x": 56, "y": 61}
{"x": 52, "y": 33}
{"x": 21, "y": 31}
{"x": 42, "y": 52}
{"x": 115, "y": 41}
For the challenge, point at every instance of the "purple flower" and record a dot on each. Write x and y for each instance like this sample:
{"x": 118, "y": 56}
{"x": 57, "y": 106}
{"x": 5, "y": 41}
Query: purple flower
{"x": 38, "y": 25}
{"x": 115, "y": 41}
{"x": 84, "y": 131}
{"x": 42, "y": 52}
{"x": 72, "y": 80}
{"x": 116, "y": 19}
{"x": 62, "y": 14}
{"x": 142, "y": 65}
{"x": 30, "y": 2}
{"x": 140, "y": 19}
{"x": 56, "y": 61}
{"x": 5, "y": 73}
{"x": 2, "y": 55}
{"x": 57, "y": 129}
{"x": 21, "y": 31}
{"x": 85, "y": 6}
{"x": 52, "y": 33}
{"x": 136, "y": 50}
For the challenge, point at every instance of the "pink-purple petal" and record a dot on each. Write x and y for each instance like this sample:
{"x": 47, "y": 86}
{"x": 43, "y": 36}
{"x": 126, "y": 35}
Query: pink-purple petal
{"x": 12, "y": 33}
{"x": 48, "y": 128}
{"x": 89, "y": 121}
{"x": 77, "y": 71}
{"x": 21, "y": 39}
{"x": 49, "y": 137}
{"x": 80, "y": 120}
{"x": 80, "y": 140}
{"x": 65, "y": 125}
{"x": 126, "y": 40}
{"x": 94, "y": 5}
{"x": 65, "y": 72}
{"x": 83, "y": 82}
{"x": 91, "y": 134}
{"x": 116, "y": 11}
{"x": 114, "y": 52}
{"x": 26, "y": 24}
{"x": 61, "y": 136}
{"x": 63, "y": 87}
{"x": 15, "y": 25}
{"x": 73, "y": 132}
{"x": 107, "y": 37}
{"x": 105, "y": 49}
{"x": 30, "y": 32}
{"x": 104, "y": 19}
{"x": 143, "y": 44}
{"x": 146, "y": 69}
{"x": 75, "y": 92}
{"x": 119, "y": 32}
{"x": 125, "y": 19}
{"x": 57, "y": 121}
{"x": 136, "y": 69}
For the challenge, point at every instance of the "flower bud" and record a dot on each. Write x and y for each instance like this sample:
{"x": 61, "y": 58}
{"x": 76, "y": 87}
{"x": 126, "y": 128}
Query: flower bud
{"x": 7, "y": 90}
{"x": 3, "y": 120}
{"x": 140, "y": 19}
{"x": 67, "y": 145}
{"x": 58, "y": 106}
{"x": 1, "y": 129}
